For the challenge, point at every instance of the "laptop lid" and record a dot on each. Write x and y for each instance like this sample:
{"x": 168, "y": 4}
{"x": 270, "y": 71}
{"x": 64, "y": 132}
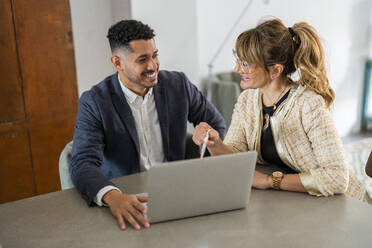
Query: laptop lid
{"x": 200, "y": 186}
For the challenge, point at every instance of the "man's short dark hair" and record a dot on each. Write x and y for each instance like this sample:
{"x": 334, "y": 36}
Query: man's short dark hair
{"x": 123, "y": 32}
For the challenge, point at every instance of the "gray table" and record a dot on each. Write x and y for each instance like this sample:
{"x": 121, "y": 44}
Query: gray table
{"x": 272, "y": 219}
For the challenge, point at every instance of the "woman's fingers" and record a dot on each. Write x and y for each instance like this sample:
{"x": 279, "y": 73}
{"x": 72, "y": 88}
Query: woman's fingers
{"x": 200, "y": 133}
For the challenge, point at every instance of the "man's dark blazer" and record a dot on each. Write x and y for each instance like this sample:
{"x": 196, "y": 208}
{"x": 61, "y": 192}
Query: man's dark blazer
{"x": 105, "y": 141}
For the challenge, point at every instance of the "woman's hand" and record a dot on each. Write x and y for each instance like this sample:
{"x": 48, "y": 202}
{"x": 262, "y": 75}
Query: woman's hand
{"x": 214, "y": 144}
{"x": 261, "y": 181}
{"x": 201, "y": 131}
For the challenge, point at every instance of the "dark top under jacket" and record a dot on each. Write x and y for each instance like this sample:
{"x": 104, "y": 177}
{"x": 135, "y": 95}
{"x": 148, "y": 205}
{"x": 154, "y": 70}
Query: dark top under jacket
{"x": 105, "y": 140}
{"x": 268, "y": 149}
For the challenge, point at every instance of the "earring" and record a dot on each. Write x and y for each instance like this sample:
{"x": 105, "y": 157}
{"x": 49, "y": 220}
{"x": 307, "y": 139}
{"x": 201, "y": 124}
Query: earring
{"x": 271, "y": 77}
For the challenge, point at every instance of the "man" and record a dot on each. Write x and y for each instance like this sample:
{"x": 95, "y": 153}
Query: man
{"x": 132, "y": 119}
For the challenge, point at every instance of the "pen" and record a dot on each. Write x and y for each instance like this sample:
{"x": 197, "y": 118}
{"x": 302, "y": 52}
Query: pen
{"x": 204, "y": 146}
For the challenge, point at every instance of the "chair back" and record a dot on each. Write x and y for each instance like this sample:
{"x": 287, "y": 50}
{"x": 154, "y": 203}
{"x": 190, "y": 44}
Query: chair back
{"x": 192, "y": 151}
{"x": 64, "y": 163}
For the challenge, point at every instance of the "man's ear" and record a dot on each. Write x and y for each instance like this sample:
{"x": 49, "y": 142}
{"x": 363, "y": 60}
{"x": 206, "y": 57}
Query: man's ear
{"x": 116, "y": 61}
{"x": 276, "y": 71}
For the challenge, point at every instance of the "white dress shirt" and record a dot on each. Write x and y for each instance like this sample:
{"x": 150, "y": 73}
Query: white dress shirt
{"x": 148, "y": 130}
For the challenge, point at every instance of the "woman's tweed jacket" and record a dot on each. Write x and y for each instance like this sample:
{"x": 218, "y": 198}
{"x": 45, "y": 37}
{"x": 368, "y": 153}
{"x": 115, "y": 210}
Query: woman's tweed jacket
{"x": 305, "y": 138}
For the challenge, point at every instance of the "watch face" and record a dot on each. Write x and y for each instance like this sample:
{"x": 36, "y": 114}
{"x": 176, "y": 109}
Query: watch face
{"x": 277, "y": 174}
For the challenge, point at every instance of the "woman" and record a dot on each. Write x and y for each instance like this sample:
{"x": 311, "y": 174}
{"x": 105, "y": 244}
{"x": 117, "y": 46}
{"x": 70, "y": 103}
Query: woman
{"x": 287, "y": 122}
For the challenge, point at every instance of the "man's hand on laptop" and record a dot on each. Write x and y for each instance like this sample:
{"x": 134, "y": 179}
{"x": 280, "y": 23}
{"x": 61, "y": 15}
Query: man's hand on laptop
{"x": 127, "y": 207}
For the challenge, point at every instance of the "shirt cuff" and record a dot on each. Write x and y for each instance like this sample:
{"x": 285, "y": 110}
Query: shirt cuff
{"x": 102, "y": 192}
{"x": 309, "y": 184}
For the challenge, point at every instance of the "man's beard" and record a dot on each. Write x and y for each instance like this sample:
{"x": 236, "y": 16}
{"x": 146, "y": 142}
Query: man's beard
{"x": 138, "y": 81}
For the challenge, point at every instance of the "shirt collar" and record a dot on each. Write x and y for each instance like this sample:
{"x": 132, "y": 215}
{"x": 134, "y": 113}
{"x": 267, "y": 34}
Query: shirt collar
{"x": 130, "y": 95}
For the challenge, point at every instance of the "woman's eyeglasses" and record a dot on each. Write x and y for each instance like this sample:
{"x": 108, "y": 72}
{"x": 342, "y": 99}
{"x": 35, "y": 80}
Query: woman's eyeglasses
{"x": 247, "y": 68}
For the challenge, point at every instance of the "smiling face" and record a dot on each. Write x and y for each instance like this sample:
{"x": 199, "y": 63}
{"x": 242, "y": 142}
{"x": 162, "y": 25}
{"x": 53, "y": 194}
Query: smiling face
{"x": 252, "y": 78}
{"x": 138, "y": 67}
{"x": 250, "y": 62}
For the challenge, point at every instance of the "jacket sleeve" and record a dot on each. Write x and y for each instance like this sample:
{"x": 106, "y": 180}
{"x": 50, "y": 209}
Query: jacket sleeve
{"x": 236, "y": 138}
{"x": 201, "y": 110}
{"x": 87, "y": 151}
{"x": 330, "y": 174}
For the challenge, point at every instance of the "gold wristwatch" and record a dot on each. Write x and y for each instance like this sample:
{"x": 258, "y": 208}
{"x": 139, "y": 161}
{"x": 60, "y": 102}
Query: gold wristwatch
{"x": 277, "y": 177}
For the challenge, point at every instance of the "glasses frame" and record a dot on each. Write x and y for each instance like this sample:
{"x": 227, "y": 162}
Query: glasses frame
{"x": 247, "y": 68}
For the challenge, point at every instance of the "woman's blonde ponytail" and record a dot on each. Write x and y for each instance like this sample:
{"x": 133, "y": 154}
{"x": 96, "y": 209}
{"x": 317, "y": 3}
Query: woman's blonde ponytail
{"x": 309, "y": 61}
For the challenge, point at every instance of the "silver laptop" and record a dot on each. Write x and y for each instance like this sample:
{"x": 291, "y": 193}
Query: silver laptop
{"x": 199, "y": 186}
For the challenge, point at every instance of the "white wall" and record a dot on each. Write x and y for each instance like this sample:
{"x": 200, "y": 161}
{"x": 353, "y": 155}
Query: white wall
{"x": 91, "y": 20}
{"x": 175, "y": 25}
{"x": 343, "y": 26}
{"x": 188, "y": 33}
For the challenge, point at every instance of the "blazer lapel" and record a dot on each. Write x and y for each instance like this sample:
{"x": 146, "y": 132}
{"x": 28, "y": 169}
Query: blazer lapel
{"x": 122, "y": 107}
{"x": 161, "y": 102}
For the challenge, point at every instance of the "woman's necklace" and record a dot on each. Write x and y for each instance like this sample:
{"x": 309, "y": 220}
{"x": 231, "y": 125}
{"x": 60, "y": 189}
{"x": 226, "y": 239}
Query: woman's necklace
{"x": 274, "y": 103}
{"x": 267, "y": 116}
